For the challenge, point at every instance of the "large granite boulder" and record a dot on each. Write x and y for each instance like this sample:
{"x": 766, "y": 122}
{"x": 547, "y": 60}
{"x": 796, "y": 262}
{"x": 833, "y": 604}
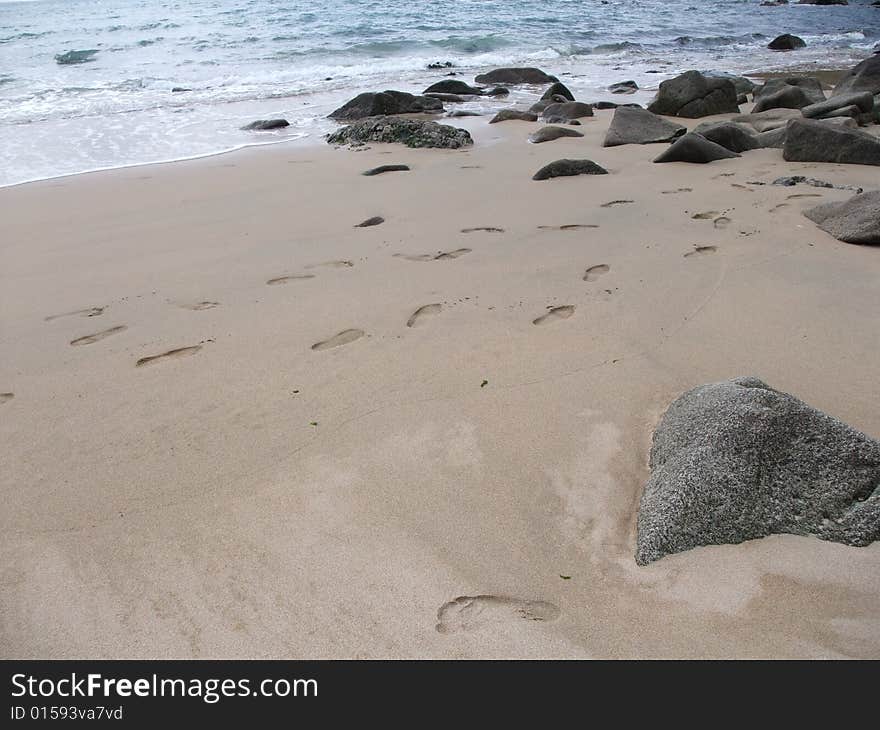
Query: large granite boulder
{"x": 695, "y": 148}
{"x": 864, "y": 101}
{"x": 730, "y": 135}
{"x": 516, "y": 76}
{"x": 785, "y": 97}
{"x": 569, "y": 168}
{"x": 692, "y": 95}
{"x": 632, "y": 125}
{"x": 742, "y": 84}
{"x": 809, "y": 140}
{"x": 770, "y": 119}
{"x": 856, "y": 220}
{"x": 864, "y": 77}
{"x": 557, "y": 89}
{"x": 548, "y": 134}
{"x": 810, "y": 85}
{"x": 786, "y": 42}
{"x": 566, "y": 111}
{"x": 411, "y": 132}
{"x": 371, "y": 104}
{"x": 738, "y": 460}
{"x": 507, "y": 115}
{"x": 453, "y": 86}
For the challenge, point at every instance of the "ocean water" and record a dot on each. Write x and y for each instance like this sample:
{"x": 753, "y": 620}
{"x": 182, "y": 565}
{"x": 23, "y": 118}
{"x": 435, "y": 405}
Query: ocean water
{"x": 87, "y": 84}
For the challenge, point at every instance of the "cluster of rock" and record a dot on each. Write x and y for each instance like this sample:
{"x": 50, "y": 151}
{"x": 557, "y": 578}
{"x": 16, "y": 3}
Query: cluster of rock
{"x": 738, "y": 460}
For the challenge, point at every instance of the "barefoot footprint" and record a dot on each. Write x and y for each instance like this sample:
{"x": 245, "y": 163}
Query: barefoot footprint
{"x": 423, "y": 312}
{"x": 343, "y": 338}
{"x": 5, "y": 397}
{"x": 701, "y": 251}
{"x": 469, "y": 613}
{"x": 170, "y": 355}
{"x": 487, "y": 229}
{"x": 594, "y": 272}
{"x": 90, "y": 339}
{"x": 199, "y": 306}
{"x": 285, "y": 279}
{"x": 563, "y": 312}
{"x": 88, "y": 312}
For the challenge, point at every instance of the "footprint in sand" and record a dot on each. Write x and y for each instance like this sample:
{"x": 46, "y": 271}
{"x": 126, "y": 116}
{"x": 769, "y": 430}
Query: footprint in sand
{"x": 88, "y": 312}
{"x": 563, "y": 312}
{"x": 199, "y": 306}
{"x": 170, "y": 355}
{"x": 677, "y": 190}
{"x": 487, "y": 229}
{"x": 6, "y": 397}
{"x": 802, "y": 195}
{"x": 332, "y": 265}
{"x": 343, "y": 338}
{"x": 616, "y": 202}
{"x": 568, "y": 227}
{"x": 778, "y": 207}
{"x": 594, "y": 272}
{"x": 721, "y": 222}
{"x": 292, "y": 277}
{"x": 701, "y": 251}
{"x": 708, "y": 215}
{"x": 423, "y": 312}
{"x": 89, "y": 339}
{"x": 442, "y": 256}
{"x": 469, "y": 613}
{"x": 374, "y": 221}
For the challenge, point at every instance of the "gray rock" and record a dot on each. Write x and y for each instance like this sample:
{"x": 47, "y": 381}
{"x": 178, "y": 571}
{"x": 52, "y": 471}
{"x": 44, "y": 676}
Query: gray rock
{"x": 692, "y": 95}
{"x": 548, "y": 134}
{"x": 771, "y": 139}
{"x": 557, "y": 89}
{"x": 540, "y": 106}
{"x": 770, "y": 119}
{"x": 810, "y": 85}
{"x": 856, "y": 220}
{"x": 451, "y": 98}
{"x": 792, "y": 180}
{"x": 864, "y": 77}
{"x": 567, "y": 111}
{"x": 738, "y": 460}
{"x": 624, "y": 87}
{"x": 639, "y": 126}
{"x": 786, "y": 97}
{"x": 411, "y": 132}
{"x": 742, "y": 84}
{"x": 453, "y": 86}
{"x": 808, "y": 140}
{"x": 730, "y": 135}
{"x": 516, "y": 76}
{"x": 786, "y": 42}
{"x": 385, "y": 168}
{"x": 70, "y": 58}
{"x": 463, "y": 113}
{"x": 262, "y": 125}
{"x": 568, "y": 168}
{"x": 497, "y": 91}
{"x": 695, "y": 148}
{"x": 370, "y": 104}
{"x": 823, "y": 2}
{"x": 840, "y": 122}
{"x": 506, "y": 115}
{"x": 864, "y": 101}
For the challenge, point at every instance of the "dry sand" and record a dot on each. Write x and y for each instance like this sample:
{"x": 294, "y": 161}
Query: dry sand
{"x": 314, "y": 467}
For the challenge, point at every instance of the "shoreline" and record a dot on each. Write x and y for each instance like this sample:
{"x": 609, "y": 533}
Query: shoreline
{"x": 283, "y": 435}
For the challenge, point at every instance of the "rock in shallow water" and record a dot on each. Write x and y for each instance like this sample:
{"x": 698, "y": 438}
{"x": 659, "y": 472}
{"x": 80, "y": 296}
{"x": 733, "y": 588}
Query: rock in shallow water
{"x": 411, "y": 132}
{"x": 569, "y": 168}
{"x": 856, "y": 220}
{"x": 371, "y": 104}
{"x": 786, "y": 42}
{"x": 263, "y": 125}
{"x": 527, "y": 75}
{"x": 738, "y": 460}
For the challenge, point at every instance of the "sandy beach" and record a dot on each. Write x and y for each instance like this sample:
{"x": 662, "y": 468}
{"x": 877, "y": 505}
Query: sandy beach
{"x": 240, "y": 426}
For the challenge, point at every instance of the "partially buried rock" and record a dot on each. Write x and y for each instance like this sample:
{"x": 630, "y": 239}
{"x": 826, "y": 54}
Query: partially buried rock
{"x": 810, "y": 85}
{"x": 731, "y": 136}
{"x": 262, "y": 125}
{"x": 548, "y": 134}
{"x": 569, "y": 168}
{"x": 771, "y": 139}
{"x": 372, "y": 104}
{"x": 451, "y": 98}
{"x": 695, "y": 148}
{"x": 567, "y": 111}
{"x": 856, "y": 220}
{"x": 385, "y": 168}
{"x": 864, "y": 77}
{"x": 557, "y": 89}
{"x": 506, "y": 115}
{"x": 785, "y": 97}
{"x": 516, "y": 76}
{"x": 632, "y": 125}
{"x": 411, "y": 132}
{"x": 453, "y": 86}
{"x": 863, "y": 101}
{"x": 809, "y": 140}
{"x": 786, "y": 42}
{"x": 738, "y": 460}
{"x": 767, "y": 120}
{"x": 692, "y": 95}
{"x": 624, "y": 87}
